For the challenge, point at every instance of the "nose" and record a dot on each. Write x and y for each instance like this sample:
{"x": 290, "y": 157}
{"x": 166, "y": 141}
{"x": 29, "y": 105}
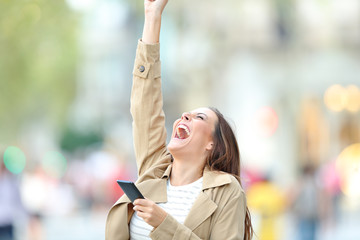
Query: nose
{"x": 186, "y": 116}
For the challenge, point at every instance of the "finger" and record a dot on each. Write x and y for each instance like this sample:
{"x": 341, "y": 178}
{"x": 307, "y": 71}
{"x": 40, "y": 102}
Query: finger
{"x": 140, "y": 208}
{"x": 137, "y": 201}
{"x": 143, "y": 202}
{"x": 143, "y": 215}
{"x": 136, "y": 208}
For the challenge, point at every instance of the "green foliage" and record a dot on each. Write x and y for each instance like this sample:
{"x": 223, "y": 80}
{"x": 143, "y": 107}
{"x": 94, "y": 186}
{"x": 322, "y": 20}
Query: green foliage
{"x": 38, "y": 56}
{"x": 73, "y": 140}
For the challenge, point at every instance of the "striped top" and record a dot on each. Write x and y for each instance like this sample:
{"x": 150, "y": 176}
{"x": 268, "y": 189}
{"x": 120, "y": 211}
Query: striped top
{"x": 180, "y": 200}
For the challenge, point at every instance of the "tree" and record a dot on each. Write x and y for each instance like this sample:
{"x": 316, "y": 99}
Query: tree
{"x": 38, "y": 56}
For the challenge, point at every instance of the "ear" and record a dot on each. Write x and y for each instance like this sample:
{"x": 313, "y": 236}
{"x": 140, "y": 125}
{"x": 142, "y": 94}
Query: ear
{"x": 209, "y": 146}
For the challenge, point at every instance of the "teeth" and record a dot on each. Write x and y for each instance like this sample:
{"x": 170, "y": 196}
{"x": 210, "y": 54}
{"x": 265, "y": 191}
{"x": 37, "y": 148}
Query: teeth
{"x": 184, "y": 128}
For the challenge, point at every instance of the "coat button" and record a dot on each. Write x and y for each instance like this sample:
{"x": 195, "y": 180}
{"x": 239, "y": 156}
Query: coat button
{"x": 141, "y": 68}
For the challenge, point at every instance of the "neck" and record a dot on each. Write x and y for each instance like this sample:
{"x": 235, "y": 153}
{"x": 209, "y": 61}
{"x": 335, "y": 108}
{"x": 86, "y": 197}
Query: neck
{"x": 185, "y": 172}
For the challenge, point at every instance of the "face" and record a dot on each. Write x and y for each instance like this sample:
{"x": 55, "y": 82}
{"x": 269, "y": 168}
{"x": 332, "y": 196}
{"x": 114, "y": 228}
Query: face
{"x": 193, "y": 133}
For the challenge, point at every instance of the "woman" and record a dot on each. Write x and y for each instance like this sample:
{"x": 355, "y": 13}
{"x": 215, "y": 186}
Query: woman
{"x": 192, "y": 187}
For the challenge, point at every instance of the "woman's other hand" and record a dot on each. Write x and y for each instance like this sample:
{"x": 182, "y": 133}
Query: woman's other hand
{"x": 153, "y": 10}
{"x": 150, "y": 212}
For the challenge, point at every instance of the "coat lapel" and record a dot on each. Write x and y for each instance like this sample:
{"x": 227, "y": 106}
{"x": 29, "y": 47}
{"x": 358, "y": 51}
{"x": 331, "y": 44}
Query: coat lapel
{"x": 203, "y": 205}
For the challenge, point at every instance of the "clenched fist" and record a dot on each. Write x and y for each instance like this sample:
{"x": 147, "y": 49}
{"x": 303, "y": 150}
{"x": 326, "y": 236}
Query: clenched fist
{"x": 154, "y": 8}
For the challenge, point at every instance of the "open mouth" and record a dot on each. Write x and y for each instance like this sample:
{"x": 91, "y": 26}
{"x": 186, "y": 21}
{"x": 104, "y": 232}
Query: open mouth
{"x": 182, "y": 132}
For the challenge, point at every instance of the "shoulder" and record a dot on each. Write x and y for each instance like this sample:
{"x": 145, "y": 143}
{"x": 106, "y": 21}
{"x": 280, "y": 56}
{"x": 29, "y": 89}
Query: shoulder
{"x": 159, "y": 170}
{"x": 234, "y": 182}
{"x": 222, "y": 184}
{"x": 233, "y": 188}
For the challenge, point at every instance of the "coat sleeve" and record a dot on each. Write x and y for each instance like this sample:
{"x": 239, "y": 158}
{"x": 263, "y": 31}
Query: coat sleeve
{"x": 172, "y": 229}
{"x": 229, "y": 223}
{"x": 146, "y": 107}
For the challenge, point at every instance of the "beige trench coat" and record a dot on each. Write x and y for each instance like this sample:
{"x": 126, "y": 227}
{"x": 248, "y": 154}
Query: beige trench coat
{"x": 219, "y": 210}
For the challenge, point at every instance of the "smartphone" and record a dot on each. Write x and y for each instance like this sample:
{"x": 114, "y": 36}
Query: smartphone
{"x": 131, "y": 191}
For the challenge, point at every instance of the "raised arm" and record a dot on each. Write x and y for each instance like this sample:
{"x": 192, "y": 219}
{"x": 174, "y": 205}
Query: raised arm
{"x": 146, "y": 98}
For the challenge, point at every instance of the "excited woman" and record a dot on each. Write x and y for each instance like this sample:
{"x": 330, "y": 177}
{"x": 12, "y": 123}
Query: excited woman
{"x": 191, "y": 186}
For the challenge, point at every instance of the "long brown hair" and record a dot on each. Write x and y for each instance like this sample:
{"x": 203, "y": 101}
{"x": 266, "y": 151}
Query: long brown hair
{"x": 225, "y": 156}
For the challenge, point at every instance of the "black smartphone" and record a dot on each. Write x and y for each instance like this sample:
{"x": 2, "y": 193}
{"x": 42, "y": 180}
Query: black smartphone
{"x": 131, "y": 191}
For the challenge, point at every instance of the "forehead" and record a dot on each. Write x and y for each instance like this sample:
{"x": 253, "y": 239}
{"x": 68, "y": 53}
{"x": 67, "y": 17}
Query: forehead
{"x": 207, "y": 111}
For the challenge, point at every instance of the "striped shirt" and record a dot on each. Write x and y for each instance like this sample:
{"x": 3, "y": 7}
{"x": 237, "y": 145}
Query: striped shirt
{"x": 180, "y": 200}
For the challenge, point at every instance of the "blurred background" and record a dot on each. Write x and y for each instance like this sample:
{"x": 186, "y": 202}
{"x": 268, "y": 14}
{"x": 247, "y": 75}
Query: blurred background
{"x": 286, "y": 73}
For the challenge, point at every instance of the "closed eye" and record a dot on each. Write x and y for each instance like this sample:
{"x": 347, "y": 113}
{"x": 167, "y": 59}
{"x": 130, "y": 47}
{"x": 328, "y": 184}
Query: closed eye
{"x": 201, "y": 116}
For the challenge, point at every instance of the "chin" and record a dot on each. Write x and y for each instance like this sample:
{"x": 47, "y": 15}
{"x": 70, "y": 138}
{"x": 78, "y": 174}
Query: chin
{"x": 176, "y": 147}
{"x": 172, "y": 146}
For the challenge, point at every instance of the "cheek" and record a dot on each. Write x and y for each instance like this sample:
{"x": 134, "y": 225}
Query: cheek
{"x": 206, "y": 132}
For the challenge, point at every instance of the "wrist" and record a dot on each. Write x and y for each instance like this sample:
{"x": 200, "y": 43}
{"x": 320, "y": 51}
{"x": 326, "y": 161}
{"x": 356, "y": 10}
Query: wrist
{"x": 154, "y": 18}
{"x": 151, "y": 32}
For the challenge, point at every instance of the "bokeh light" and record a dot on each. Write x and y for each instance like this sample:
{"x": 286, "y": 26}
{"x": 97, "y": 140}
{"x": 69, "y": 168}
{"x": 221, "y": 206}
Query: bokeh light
{"x": 267, "y": 121}
{"x": 348, "y": 165}
{"x": 338, "y": 98}
{"x": 14, "y": 159}
{"x": 335, "y": 98}
{"x": 54, "y": 164}
{"x": 353, "y": 98}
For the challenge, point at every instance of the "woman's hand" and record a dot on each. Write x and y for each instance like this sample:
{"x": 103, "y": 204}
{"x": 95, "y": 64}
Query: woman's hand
{"x": 150, "y": 212}
{"x": 152, "y": 25}
{"x": 154, "y": 8}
